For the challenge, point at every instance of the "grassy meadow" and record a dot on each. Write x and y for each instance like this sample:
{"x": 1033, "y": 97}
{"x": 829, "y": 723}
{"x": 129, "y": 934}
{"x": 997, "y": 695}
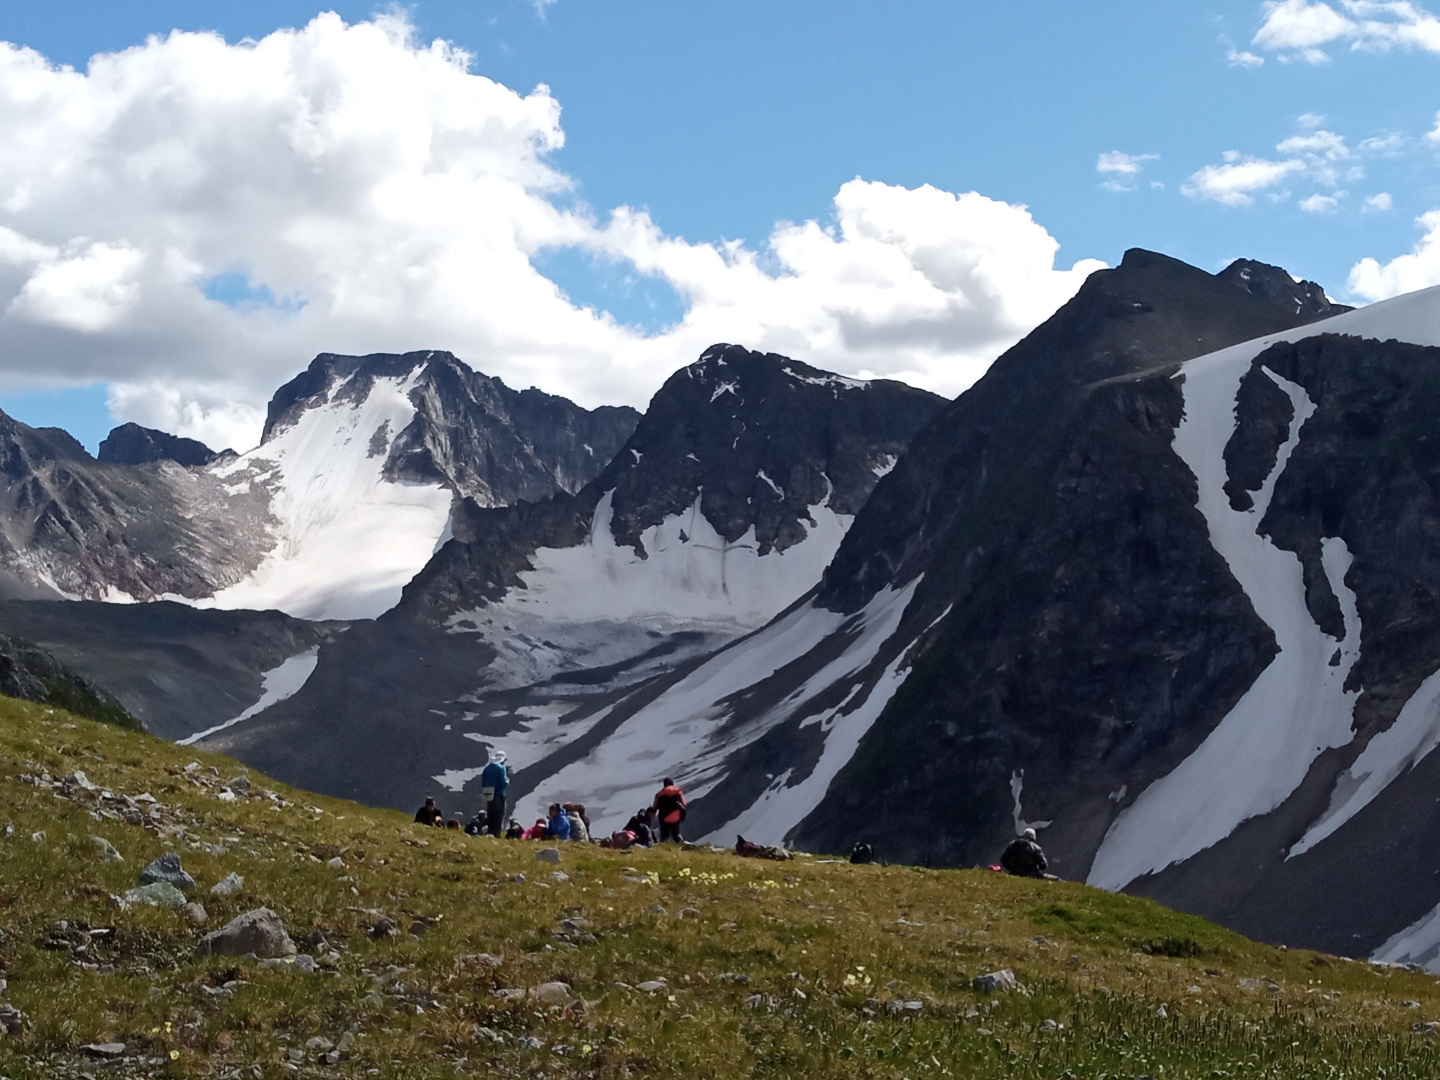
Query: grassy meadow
{"x": 674, "y": 963}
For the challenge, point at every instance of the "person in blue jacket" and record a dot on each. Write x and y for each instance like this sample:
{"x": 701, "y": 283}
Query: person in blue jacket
{"x": 558, "y": 827}
{"x": 494, "y": 784}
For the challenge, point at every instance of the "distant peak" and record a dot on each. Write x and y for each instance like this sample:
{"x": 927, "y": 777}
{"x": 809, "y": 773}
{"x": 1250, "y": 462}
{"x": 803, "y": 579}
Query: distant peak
{"x": 1276, "y": 285}
{"x": 131, "y": 444}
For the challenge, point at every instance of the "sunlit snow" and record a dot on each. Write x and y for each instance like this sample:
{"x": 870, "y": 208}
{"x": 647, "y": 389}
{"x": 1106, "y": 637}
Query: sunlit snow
{"x": 347, "y": 540}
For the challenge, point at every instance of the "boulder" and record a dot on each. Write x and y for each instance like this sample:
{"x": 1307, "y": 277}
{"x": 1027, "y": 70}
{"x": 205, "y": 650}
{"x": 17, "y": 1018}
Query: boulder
{"x": 157, "y": 894}
{"x": 1004, "y": 979}
{"x": 549, "y": 854}
{"x": 230, "y": 883}
{"x": 106, "y": 850}
{"x": 550, "y": 993}
{"x": 259, "y": 931}
{"x": 167, "y": 868}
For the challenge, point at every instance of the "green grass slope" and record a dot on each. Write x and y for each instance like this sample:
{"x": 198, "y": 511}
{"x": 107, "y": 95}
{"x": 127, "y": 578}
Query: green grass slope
{"x": 807, "y": 968}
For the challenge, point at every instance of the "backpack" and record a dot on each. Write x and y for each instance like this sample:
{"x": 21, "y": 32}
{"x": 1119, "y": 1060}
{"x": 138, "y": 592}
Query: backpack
{"x": 862, "y": 853}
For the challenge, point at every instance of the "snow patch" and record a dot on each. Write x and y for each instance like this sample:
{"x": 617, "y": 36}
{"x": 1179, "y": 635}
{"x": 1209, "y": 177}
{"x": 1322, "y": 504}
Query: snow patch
{"x": 724, "y": 388}
{"x": 885, "y": 466}
{"x": 1418, "y": 943}
{"x": 276, "y": 685}
{"x": 1260, "y": 752}
{"x": 701, "y": 579}
{"x": 773, "y": 486}
{"x": 1017, "y": 785}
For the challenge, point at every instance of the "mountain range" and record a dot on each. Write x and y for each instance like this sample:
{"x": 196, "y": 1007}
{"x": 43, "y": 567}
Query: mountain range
{"x": 1162, "y": 585}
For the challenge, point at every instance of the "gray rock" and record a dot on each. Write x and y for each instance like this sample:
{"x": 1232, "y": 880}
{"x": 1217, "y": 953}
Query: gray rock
{"x": 78, "y": 780}
{"x": 106, "y": 850}
{"x": 196, "y": 913}
{"x": 1004, "y": 979}
{"x": 518, "y": 879}
{"x": 658, "y": 909}
{"x": 259, "y": 931}
{"x": 549, "y": 854}
{"x": 167, "y": 868}
{"x": 550, "y": 993}
{"x": 156, "y": 894}
{"x": 529, "y": 1042}
{"x": 319, "y": 1044}
{"x": 384, "y": 927}
{"x": 228, "y": 885}
{"x": 12, "y": 1020}
{"x": 103, "y": 1050}
{"x": 651, "y": 986}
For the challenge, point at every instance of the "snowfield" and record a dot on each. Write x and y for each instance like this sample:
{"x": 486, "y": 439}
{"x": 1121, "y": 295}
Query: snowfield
{"x": 347, "y": 540}
{"x": 1260, "y": 752}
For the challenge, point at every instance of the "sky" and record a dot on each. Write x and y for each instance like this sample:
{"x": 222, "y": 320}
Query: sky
{"x": 196, "y": 198}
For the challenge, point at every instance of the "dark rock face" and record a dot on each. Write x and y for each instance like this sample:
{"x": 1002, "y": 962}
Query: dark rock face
{"x": 32, "y": 674}
{"x": 176, "y": 669}
{"x": 757, "y": 439}
{"x": 1089, "y": 636}
{"x": 74, "y": 526}
{"x": 1274, "y": 286}
{"x": 471, "y": 432}
{"x": 1366, "y": 470}
{"x": 131, "y": 444}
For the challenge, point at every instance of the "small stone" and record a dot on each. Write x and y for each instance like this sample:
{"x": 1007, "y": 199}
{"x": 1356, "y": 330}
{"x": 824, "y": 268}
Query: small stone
{"x": 651, "y": 986}
{"x": 755, "y": 1001}
{"x": 319, "y": 1044}
{"x": 225, "y": 795}
{"x": 167, "y": 868}
{"x": 548, "y": 854}
{"x": 385, "y": 927}
{"x": 1004, "y": 979}
{"x": 551, "y": 993}
{"x": 295, "y": 1054}
{"x": 331, "y": 1058}
{"x": 658, "y": 909}
{"x": 104, "y": 1050}
{"x": 78, "y": 780}
{"x": 689, "y": 913}
{"x": 156, "y": 894}
{"x": 518, "y": 879}
{"x": 1049, "y": 1025}
{"x": 259, "y": 931}
{"x": 419, "y": 928}
{"x": 239, "y": 784}
{"x": 106, "y": 850}
{"x": 529, "y": 1042}
{"x": 510, "y": 993}
{"x": 195, "y": 912}
{"x": 346, "y": 1043}
{"x": 12, "y": 1020}
{"x": 228, "y": 885}
{"x": 559, "y": 875}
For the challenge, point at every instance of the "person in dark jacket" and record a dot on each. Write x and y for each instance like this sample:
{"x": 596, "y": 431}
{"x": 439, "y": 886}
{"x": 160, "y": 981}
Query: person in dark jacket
{"x": 429, "y": 814}
{"x": 670, "y": 805}
{"x": 1024, "y": 857}
{"x": 515, "y": 831}
{"x": 640, "y": 825}
{"x": 494, "y": 786}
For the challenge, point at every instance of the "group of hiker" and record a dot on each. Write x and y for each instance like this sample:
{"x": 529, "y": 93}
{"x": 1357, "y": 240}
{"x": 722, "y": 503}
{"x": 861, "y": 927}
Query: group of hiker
{"x": 653, "y": 824}
{"x": 660, "y": 821}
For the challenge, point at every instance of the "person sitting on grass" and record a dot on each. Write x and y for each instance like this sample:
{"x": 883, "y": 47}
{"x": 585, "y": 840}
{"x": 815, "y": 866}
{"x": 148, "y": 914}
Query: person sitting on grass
{"x": 535, "y": 832}
{"x": 558, "y": 827}
{"x": 514, "y": 831}
{"x": 1024, "y": 857}
{"x": 429, "y": 814}
{"x": 641, "y": 828}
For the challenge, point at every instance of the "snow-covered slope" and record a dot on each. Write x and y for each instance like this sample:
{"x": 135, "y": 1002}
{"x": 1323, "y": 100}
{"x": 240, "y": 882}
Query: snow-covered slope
{"x": 346, "y": 538}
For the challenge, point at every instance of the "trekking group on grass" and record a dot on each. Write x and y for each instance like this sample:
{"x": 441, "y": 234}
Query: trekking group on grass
{"x": 653, "y": 824}
{"x": 563, "y": 821}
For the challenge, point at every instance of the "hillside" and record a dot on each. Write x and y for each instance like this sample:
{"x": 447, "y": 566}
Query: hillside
{"x": 672, "y": 962}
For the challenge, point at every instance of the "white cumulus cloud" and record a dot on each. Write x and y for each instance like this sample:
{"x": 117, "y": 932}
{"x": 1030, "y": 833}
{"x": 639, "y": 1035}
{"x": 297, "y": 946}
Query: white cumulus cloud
{"x": 1234, "y": 182}
{"x": 1374, "y": 280}
{"x": 1121, "y": 170}
{"x": 1320, "y": 204}
{"x": 1377, "y": 203}
{"x": 1299, "y": 29}
{"x": 369, "y": 192}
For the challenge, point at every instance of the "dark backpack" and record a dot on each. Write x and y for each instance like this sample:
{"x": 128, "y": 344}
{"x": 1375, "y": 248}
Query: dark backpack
{"x": 862, "y": 853}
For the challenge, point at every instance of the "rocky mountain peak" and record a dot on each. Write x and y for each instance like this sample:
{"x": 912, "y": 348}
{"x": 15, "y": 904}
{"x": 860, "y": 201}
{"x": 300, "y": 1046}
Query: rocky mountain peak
{"x": 131, "y": 444}
{"x": 760, "y": 439}
{"x": 1274, "y": 285}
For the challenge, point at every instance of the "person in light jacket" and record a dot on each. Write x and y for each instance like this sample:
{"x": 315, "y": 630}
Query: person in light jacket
{"x": 494, "y": 785}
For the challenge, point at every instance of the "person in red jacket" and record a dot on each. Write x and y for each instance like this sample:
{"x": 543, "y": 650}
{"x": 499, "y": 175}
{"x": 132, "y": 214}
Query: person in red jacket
{"x": 670, "y": 805}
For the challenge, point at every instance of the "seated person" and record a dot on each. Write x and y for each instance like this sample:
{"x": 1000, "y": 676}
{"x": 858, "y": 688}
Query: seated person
{"x": 429, "y": 814}
{"x": 642, "y": 828}
{"x": 558, "y": 827}
{"x": 1024, "y": 857}
{"x": 514, "y": 831}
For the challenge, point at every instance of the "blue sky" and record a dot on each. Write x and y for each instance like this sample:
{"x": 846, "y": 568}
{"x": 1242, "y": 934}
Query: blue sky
{"x": 720, "y": 121}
